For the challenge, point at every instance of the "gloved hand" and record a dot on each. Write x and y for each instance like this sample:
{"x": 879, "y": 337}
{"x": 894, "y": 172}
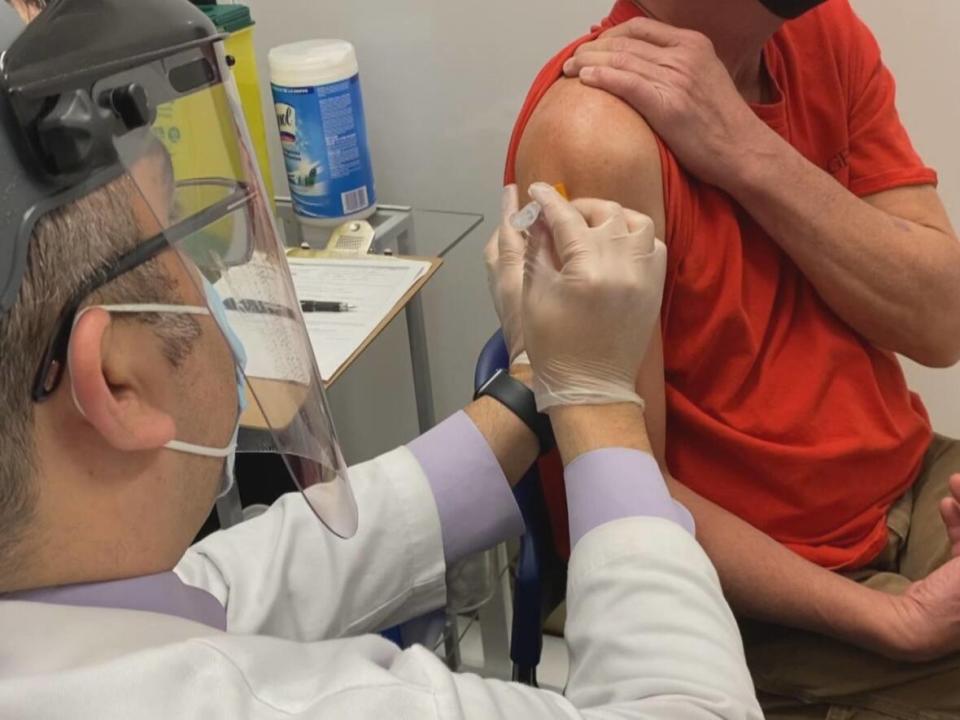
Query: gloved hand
{"x": 593, "y": 287}
{"x": 504, "y": 257}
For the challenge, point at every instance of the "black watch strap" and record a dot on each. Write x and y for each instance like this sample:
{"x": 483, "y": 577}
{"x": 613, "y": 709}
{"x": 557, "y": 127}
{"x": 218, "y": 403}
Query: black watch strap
{"x": 519, "y": 399}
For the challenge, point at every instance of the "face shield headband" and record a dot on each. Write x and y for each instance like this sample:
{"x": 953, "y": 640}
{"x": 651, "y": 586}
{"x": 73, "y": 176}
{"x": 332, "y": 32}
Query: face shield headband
{"x": 88, "y": 114}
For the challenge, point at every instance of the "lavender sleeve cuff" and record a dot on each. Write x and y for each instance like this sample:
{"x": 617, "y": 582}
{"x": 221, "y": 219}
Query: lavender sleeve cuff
{"x": 476, "y": 505}
{"x": 615, "y": 483}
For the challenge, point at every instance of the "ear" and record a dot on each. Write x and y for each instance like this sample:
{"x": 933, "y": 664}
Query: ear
{"x": 107, "y": 394}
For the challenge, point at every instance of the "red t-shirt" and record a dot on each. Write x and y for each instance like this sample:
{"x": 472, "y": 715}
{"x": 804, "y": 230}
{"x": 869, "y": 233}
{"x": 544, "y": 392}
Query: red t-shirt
{"x": 776, "y": 409}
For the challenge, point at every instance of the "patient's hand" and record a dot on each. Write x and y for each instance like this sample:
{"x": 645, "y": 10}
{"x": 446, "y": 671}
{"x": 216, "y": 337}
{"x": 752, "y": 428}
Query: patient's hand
{"x": 950, "y": 510}
{"x": 925, "y": 622}
{"x": 926, "y": 619}
{"x": 675, "y": 80}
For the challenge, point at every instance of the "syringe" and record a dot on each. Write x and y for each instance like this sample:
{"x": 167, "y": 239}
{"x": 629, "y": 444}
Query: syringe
{"x": 525, "y": 219}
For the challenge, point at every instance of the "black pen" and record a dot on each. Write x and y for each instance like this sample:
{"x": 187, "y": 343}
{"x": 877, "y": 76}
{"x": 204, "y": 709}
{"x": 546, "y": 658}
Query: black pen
{"x": 309, "y": 306}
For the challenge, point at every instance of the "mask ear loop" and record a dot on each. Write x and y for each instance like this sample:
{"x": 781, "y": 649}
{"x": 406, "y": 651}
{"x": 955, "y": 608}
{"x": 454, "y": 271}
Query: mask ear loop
{"x": 202, "y": 450}
{"x": 175, "y": 445}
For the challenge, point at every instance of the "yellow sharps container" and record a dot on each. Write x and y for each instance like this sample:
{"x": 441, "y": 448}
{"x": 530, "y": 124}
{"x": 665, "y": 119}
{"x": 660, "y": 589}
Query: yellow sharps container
{"x": 234, "y": 19}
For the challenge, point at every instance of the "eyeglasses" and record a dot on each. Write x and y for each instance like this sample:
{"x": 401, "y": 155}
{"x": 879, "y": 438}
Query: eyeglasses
{"x": 50, "y": 372}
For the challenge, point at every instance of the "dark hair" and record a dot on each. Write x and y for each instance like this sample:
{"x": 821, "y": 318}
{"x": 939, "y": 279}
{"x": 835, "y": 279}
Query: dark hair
{"x": 68, "y": 247}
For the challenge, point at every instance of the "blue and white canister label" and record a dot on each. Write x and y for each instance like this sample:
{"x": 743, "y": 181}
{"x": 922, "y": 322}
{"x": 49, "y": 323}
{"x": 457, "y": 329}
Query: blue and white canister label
{"x": 324, "y": 136}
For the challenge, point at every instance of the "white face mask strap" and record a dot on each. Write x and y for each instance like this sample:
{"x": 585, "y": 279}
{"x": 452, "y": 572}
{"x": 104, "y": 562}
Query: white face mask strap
{"x": 202, "y": 450}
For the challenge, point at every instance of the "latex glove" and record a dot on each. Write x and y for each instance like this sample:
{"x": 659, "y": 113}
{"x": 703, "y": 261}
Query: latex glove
{"x": 504, "y": 256}
{"x": 593, "y": 286}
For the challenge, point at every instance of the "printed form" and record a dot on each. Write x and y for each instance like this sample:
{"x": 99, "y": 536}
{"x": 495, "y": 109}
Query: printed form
{"x": 373, "y": 285}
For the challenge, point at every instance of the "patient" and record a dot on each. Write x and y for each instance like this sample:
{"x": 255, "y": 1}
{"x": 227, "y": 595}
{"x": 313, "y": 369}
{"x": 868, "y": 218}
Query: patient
{"x": 807, "y": 246}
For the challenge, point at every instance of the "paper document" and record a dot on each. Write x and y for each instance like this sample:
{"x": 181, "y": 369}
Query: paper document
{"x": 373, "y": 285}
{"x": 269, "y": 339}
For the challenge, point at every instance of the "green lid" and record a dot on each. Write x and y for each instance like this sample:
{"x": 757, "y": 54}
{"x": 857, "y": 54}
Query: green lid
{"x": 228, "y": 18}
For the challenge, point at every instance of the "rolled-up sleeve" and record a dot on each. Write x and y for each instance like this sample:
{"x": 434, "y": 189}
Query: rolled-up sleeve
{"x": 474, "y": 500}
{"x": 616, "y": 483}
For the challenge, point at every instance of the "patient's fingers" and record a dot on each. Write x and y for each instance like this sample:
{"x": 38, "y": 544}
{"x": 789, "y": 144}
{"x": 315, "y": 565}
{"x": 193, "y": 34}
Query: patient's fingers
{"x": 950, "y": 511}
{"x": 653, "y": 31}
{"x": 650, "y": 71}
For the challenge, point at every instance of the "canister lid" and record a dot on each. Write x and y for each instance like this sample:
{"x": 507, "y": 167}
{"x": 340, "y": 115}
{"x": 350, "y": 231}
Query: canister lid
{"x": 312, "y": 62}
{"x": 229, "y": 18}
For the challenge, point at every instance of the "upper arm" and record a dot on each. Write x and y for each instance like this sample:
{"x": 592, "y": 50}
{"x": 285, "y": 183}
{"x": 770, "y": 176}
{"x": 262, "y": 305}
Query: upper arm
{"x": 599, "y": 147}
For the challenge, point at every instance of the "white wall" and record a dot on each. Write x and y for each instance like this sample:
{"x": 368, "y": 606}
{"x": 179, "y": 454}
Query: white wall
{"x": 443, "y": 81}
{"x": 920, "y": 45}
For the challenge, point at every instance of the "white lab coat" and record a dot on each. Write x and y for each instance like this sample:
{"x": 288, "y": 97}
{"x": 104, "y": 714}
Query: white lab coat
{"x": 650, "y": 635}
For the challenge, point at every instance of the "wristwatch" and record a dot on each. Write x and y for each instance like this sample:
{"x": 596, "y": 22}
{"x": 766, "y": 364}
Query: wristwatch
{"x": 519, "y": 399}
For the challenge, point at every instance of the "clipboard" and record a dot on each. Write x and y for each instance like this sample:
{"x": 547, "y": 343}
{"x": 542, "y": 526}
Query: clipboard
{"x": 339, "y": 338}
{"x": 435, "y": 264}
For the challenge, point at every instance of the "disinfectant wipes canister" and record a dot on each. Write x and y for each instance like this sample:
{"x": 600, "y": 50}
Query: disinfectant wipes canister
{"x": 316, "y": 92}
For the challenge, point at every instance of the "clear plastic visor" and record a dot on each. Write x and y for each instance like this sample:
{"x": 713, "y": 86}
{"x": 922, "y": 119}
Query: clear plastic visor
{"x": 203, "y": 196}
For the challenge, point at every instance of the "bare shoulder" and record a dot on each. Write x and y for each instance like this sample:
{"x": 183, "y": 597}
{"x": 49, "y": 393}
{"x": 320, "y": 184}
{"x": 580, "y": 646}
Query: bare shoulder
{"x": 597, "y": 145}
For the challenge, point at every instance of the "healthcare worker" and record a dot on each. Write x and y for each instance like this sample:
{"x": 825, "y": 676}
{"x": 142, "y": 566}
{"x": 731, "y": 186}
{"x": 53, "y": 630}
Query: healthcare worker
{"x": 150, "y": 332}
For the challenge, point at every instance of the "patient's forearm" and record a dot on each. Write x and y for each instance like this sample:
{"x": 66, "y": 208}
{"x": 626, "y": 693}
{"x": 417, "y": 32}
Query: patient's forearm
{"x": 765, "y": 581}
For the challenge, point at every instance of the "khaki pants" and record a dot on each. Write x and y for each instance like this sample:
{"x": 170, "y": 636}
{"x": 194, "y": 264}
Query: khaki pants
{"x": 804, "y": 676}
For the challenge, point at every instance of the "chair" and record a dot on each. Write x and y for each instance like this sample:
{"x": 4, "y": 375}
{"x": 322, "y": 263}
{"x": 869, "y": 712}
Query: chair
{"x": 540, "y": 579}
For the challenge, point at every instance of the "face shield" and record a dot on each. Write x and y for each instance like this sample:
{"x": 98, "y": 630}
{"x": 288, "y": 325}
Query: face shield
{"x": 209, "y": 204}
{"x": 182, "y": 140}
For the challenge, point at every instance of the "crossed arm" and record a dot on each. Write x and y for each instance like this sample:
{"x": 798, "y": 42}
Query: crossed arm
{"x": 887, "y": 264}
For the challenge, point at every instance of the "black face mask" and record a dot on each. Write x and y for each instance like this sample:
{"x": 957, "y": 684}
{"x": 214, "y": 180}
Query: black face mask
{"x": 789, "y": 9}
